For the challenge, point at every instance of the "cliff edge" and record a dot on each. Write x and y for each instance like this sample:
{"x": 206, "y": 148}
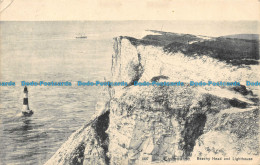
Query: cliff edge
{"x": 155, "y": 124}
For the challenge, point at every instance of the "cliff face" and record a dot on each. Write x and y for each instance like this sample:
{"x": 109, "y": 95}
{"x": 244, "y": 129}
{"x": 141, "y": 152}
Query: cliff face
{"x": 144, "y": 124}
{"x": 169, "y": 123}
{"x": 88, "y": 144}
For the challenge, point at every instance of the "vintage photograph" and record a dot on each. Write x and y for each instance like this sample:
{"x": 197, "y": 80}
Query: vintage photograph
{"x": 127, "y": 82}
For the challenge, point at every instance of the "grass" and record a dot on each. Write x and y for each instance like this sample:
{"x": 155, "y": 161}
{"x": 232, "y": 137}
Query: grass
{"x": 236, "y": 51}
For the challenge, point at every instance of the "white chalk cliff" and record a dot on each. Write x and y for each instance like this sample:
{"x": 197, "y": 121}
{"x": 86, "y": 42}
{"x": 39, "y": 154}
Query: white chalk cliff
{"x": 154, "y": 124}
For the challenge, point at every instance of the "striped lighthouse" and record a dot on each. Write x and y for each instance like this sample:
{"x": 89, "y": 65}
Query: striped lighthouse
{"x": 26, "y": 111}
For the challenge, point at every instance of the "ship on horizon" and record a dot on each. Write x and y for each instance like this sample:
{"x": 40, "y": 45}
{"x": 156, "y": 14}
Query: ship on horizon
{"x": 81, "y": 36}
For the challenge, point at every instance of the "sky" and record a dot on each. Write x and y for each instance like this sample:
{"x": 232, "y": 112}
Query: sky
{"x": 50, "y": 10}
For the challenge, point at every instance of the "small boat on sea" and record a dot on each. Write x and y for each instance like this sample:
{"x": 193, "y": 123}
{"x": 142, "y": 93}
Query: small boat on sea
{"x": 81, "y": 37}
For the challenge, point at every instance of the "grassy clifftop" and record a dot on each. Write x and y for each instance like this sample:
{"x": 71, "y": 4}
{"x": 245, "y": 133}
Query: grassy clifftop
{"x": 234, "y": 49}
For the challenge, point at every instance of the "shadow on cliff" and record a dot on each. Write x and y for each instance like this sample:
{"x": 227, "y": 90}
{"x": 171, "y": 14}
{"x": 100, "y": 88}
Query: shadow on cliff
{"x": 193, "y": 129}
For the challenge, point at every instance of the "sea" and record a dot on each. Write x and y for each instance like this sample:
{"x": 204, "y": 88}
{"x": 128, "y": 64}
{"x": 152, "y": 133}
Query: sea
{"x": 49, "y": 51}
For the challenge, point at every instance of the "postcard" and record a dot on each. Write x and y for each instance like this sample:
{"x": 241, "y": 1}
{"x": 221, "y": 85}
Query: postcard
{"x": 129, "y": 82}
